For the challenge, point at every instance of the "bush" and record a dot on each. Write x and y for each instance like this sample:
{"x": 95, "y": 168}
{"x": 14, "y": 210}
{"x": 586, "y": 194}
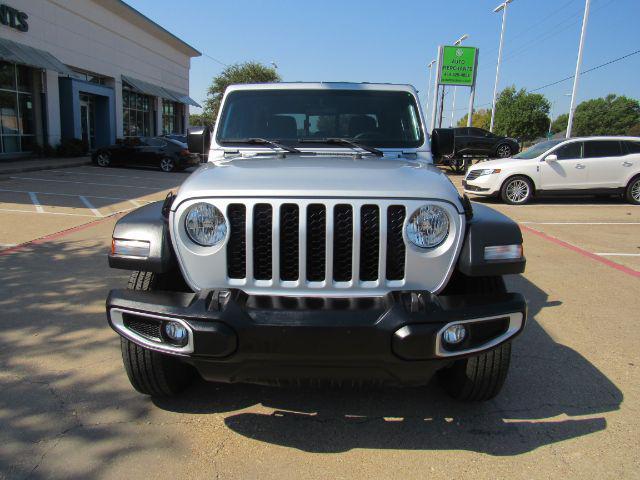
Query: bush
{"x": 72, "y": 147}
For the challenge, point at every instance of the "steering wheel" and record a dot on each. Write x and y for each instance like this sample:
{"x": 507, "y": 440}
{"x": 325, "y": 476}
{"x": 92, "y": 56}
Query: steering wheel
{"x": 368, "y": 136}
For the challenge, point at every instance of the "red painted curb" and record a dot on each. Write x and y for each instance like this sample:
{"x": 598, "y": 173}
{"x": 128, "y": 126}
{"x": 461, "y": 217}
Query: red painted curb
{"x": 592, "y": 256}
{"x": 54, "y": 236}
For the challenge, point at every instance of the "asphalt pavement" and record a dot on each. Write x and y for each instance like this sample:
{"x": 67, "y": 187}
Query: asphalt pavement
{"x": 569, "y": 408}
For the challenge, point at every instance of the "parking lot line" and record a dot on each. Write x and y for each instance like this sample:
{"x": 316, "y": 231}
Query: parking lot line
{"x": 580, "y": 223}
{"x": 36, "y": 202}
{"x": 82, "y": 183}
{"x": 73, "y": 195}
{"x": 581, "y": 251}
{"x": 619, "y": 254}
{"x": 15, "y": 210}
{"x": 90, "y": 206}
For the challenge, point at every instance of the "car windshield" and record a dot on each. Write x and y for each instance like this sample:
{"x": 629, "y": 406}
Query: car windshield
{"x": 538, "y": 149}
{"x": 298, "y": 117}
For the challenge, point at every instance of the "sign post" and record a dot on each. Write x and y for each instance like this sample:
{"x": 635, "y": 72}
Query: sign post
{"x": 457, "y": 66}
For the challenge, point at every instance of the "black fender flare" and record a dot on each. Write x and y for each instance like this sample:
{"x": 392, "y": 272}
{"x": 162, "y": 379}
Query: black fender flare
{"x": 146, "y": 224}
{"x": 487, "y": 228}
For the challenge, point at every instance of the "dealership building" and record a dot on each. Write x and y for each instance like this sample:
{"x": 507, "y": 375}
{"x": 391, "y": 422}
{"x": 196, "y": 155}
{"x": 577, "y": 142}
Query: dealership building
{"x": 94, "y": 70}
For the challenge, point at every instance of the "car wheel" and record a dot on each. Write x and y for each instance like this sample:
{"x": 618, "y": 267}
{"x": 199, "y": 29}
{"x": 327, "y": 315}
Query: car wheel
{"x": 632, "y": 194}
{"x": 516, "y": 190}
{"x": 149, "y": 372}
{"x": 504, "y": 151}
{"x": 480, "y": 377}
{"x": 167, "y": 164}
{"x": 103, "y": 159}
{"x": 458, "y": 165}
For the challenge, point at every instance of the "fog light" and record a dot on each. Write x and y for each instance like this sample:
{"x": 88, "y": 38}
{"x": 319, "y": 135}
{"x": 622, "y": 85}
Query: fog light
{"x": 176, "y": 333}
{"x": 454, "y": 334}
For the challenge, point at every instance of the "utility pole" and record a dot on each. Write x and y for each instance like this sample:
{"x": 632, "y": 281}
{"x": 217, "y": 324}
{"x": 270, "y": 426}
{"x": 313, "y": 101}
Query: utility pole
{"x": 503, "y": 7}
{"x": 453, "y": 104}
{"x": 430, "y": 66}
{"x": 572, "y": 109}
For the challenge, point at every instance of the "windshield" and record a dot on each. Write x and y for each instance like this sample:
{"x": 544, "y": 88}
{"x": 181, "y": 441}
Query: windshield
{"x": 296, "y": 117}
{"x": 538, "y": 149}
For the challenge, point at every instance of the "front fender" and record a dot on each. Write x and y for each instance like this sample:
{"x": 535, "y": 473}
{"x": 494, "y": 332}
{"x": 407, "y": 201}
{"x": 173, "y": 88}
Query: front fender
{"x": 145, "y": 224}
{"x": 487, "y": 228}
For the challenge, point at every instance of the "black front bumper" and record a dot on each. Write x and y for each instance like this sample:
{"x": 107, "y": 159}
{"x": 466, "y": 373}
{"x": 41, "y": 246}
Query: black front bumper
{"x": 391, "y": 339}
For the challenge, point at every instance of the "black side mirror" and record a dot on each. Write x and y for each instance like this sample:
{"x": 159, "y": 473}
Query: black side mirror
{"x": 442, "y": 142}
{"x": 198, "y": 140}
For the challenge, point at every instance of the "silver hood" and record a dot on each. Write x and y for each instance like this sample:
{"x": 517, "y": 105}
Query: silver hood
{"x": 318, "y": 176}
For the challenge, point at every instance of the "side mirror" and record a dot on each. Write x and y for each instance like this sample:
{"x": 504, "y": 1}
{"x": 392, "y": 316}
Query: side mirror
{"x": 198, "y": 140}
{"x": 551, "y": 158}
{"x": 442, "y": 142}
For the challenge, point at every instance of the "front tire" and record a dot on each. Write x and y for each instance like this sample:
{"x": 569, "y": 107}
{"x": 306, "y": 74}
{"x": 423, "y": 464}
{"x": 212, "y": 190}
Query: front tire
{"x": 481, "y": 377}
{"x": 516, "y": 190}
{"x": 150, "y": 372}
{"x": 167, "y": 164}
{"x": 632, "y": 193}
{"x": 103, "y": 159}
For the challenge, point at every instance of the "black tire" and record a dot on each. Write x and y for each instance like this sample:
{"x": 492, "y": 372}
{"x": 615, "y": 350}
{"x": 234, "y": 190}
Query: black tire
{"x": 516, "y": 190}
{"x": 504, "y": 150}
{"x": 168, "y": 164}
{"x": 103, "y": 159}
{"x": 632, "y": 192}
{"x": 481, "y": 377}
{"x": 149, "y": 372}
{"x": 458, "y": 165}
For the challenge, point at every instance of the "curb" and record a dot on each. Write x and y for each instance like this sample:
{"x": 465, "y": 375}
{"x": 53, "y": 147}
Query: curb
{"x": 48, "y": 166}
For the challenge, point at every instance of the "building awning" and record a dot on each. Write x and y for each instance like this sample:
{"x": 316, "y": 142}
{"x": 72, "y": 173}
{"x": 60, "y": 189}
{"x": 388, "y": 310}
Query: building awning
{"x": 156, "y": 91}
{"x": 15, "y": 52}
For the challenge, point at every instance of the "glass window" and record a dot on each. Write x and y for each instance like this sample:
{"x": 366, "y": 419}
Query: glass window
{"x": 7, "y": 76}
{"x": 170, "y": 121}
{"x": 25, "y": 78}
{"x": 26, "y": 113}
{"x": 137, "y": 118}
{"x": 378, "y": 118}
{"x": 9, "y": 113}
{"x": 537, "y": 149}
{"x": 569, "y": 151}
{"x": 10, "y": 143}
{"x": 602, "y": 148}
{"x": 632, "y": 147}
{"x": 125, "y": 98}
{"x": 477, "y": 132}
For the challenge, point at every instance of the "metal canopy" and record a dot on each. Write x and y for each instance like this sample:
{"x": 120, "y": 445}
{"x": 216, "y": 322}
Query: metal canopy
{"x": 156, "y": 91}
{"x": 15, "y": 52}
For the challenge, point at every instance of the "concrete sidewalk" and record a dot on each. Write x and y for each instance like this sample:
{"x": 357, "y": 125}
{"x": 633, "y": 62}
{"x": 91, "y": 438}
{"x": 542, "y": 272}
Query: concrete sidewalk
{"x": 8, "y": 167}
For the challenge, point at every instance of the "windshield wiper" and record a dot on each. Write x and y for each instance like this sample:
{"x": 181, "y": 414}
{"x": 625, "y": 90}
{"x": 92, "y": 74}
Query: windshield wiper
{"x": 264, "y": 141}
{"x": 343, "y": 141}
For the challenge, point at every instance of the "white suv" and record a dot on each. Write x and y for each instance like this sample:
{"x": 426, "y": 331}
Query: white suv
{"x": 584, "y": 166}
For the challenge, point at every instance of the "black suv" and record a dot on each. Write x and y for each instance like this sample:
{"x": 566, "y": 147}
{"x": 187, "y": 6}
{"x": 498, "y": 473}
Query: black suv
{"x": 477, "y": 142}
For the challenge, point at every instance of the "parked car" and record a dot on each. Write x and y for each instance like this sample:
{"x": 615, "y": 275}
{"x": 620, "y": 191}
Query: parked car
{"x": 578, "y": 166}
{"x": 322, "y": 247}
{"x": 169, "y": 155}
{"x": 176, "y": 136}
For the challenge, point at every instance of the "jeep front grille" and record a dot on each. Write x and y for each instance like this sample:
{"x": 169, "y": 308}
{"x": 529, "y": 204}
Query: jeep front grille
{"x": 316, "y": 242}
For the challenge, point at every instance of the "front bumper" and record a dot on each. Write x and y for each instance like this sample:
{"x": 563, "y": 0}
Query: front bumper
{"x": 396, "y": 338}
{"x": 483, "y": 185}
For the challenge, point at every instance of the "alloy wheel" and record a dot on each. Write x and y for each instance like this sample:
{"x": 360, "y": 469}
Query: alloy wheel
{"x": 635, "y": 191}
{"x": 517, "y": 191}
{"x": 504, "y": 151}
{"x": 167, "y": 164}
{"x": 103, "y": 160}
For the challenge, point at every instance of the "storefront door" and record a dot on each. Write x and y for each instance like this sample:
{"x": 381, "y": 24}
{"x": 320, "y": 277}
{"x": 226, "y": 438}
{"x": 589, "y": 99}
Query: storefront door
{"x": 87, "y": 120}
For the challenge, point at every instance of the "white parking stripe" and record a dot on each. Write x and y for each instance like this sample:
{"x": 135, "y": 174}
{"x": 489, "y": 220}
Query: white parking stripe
{"x": 580, "y": 223}
{"x": 135, "y": 202}
{"x": 619, "y": 254}
{"x": 36, "y": 202}
{"x": 15, "y": 210}
{"x": 84, "y": 183}
{"x": 90, "y": 206}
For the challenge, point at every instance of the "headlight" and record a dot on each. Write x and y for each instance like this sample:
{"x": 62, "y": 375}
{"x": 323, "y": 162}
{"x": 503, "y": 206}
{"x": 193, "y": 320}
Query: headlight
{"x": 205, "y": 224}
{"x": 487, "y": 171}
{"x": 428, "y": 226}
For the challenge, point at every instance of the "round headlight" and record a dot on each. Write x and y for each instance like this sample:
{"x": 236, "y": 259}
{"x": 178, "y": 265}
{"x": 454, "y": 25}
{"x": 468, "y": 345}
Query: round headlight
{"x": 205, "y": 224}
{"x": 428, "y": 226}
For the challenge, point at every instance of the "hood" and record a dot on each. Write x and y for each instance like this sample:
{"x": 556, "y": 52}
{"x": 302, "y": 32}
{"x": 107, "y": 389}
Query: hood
{"x": 497, "y": 163}
{"x": 318, "y": 176}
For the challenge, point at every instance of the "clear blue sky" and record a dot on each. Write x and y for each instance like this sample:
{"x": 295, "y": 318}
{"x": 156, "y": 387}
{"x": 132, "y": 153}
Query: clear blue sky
{"x": 393, "y": 41}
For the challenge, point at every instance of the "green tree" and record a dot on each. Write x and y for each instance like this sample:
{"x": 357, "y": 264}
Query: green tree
{"x": 634, "y": 131}
{"x": 249, "y": 72}
{"x": 521, "y": 115}
{"x": 560, "y": 123}
{"x": 481, "y": 118}
{"x": 611, "y": 115}
{"x": 197, "y": 119}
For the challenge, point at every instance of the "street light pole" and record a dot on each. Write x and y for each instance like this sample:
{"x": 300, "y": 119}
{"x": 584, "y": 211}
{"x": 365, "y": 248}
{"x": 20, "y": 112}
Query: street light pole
{"x": 572, "y": 109}
{"x": 503, "y": 7}
{"x": 453, "y": 104}
{"x": 430, "y": 66}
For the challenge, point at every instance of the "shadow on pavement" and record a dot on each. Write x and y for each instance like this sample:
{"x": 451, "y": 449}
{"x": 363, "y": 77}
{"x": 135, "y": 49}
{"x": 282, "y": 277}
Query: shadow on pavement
{"x": 548, "y": 382}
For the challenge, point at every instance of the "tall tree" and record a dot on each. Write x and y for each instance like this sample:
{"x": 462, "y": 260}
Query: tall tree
{"x": 521, "y": 115}
{"x": 248, "y": 72}
{"x": 611, "y": 115}
{"x": 481, "y": 118}
{"x": 560, "y": 123}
